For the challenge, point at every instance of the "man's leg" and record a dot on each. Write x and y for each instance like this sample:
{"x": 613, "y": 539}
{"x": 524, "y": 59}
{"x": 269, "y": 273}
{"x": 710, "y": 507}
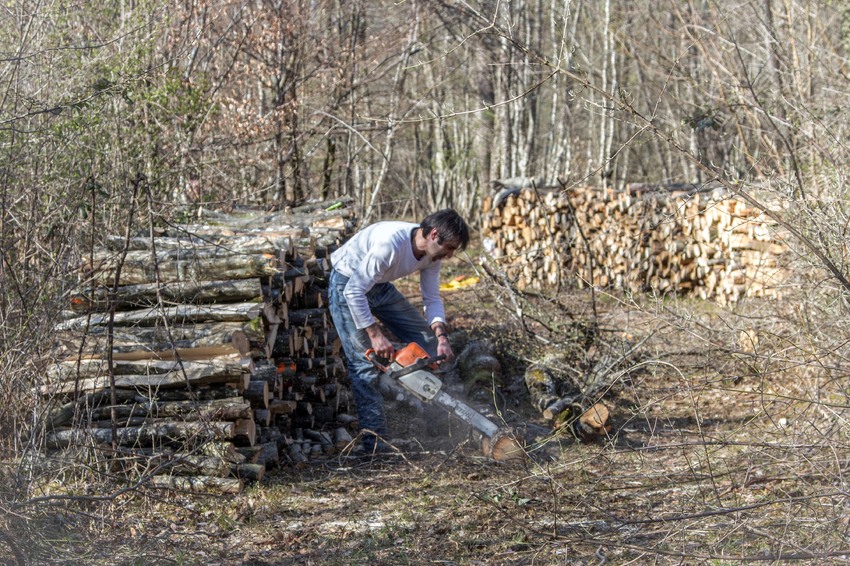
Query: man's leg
{"x": 401, "y": 318}
{"x": 409, "y": 325}
{"x": 361, "y": 373}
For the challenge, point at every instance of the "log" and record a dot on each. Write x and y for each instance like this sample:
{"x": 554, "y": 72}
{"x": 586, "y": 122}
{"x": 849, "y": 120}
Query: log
{"x": 263, "y": 417}
{"x": 245, "y": 432}
{"x": 183, "y": 314}
{"x": 269, "y": 455}
{"x": 174, "y": 354}
{"x": 478, "y": 365}
{"x": 141, "y": 271}
{"x": 95, "y": 366}
{"x": 229, "y": 409}
{"x": 224, "y": 450}
{"x": 282, "y": 407}
{"x": 62, "y": 414}
{"x": 200, "y": 394}
{"x": 252, "y": 244}
{"x": 249, "y": 472}
{"x": 265, "y": 454}
{"x": 592, "y": 423}
{"x": 180, "y": 464}
{"x": 179, "y": 292}
{"x": 267, "y": 373}
{"x": 342, "y": 439}
{"x": 556, "y": 410}
{"x": 296, "y": 456}
{"x": 170, "y": 374}
{"x": 257, "y": 393}
{"x": 159, "y": 338}
{"x": 636, "y": 241}
{"x": 315, "y": 318}
{"x": 145, "y": 435}
{"x": 198, "y": 484}
{"x": 322, "y": 438}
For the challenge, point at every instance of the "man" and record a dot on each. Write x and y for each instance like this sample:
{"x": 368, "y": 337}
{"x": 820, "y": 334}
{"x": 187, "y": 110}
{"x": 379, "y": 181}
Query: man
{"x": 361, "y": 295}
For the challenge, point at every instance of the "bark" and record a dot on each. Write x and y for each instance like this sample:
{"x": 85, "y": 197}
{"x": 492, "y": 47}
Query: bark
{"x": 215, "y": 410}
{"x": 184, "y": 291}
{"x": 159, "y": 338}
{"x": 173, "y": 375}
{"x": 142, "y": 271}
{"x": 198, "y": 484}
{"x": 145, "y": 435}
{"x": 183, "y": 314}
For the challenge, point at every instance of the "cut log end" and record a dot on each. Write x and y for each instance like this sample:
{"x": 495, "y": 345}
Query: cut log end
{"x": 593, "y": 423}
{"x": 503, "y": 446}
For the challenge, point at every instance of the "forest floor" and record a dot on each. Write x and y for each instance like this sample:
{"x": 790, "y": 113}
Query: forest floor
{"x": 713, "y": 458}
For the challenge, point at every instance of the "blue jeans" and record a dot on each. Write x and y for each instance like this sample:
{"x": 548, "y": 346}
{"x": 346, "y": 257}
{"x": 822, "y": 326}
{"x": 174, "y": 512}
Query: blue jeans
{"x": 401, "y": 318}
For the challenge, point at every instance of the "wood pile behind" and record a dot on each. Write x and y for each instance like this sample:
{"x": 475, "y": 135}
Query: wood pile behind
{"x": 205, "y": 352}
{"x": 700, "y": 243}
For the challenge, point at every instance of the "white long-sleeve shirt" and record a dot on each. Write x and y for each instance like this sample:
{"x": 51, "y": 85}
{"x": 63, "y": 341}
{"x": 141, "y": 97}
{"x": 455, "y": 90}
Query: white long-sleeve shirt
{"x": 380, "y": 253}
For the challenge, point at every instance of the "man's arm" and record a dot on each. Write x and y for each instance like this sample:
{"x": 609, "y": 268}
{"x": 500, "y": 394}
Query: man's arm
{"x": 367, "y": 274}
{"x": 429, "y": 281}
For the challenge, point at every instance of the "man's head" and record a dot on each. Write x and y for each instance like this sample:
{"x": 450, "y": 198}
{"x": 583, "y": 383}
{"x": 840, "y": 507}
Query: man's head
{"x": 446, "y": 231}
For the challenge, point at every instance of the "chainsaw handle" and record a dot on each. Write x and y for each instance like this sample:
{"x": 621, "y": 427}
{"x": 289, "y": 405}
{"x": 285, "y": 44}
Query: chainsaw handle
{"x": 383, "y": 363}
{"x": 380, "y": 362}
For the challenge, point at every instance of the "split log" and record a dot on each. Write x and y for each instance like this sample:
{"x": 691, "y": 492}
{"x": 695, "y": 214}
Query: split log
{"x": 636, "y": 241}
{"x": 185, "y": 354}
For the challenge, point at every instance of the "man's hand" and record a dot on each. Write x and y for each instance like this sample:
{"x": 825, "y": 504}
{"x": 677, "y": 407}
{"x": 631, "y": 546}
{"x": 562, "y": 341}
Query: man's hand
{"x": 443, "y": 346}
{"x": 380, "y": 344}
{"x": 445, "y": 349}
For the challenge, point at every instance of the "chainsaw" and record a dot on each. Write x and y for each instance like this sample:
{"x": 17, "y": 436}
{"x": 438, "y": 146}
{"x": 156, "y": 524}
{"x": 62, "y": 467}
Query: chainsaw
{"x": 411, "y": 368}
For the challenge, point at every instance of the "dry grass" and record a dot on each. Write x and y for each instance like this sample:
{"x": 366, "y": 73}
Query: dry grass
{"x": 728, "y": 447}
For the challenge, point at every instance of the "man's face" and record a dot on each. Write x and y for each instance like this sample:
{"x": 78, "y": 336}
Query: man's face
{"x": 438, "y": 249}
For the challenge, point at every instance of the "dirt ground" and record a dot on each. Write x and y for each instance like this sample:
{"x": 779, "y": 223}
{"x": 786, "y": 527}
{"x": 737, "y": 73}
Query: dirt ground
{"x": 716, "y": 456}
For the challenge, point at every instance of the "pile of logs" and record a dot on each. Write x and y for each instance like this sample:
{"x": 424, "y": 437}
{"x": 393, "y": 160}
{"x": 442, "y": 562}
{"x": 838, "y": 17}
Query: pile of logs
{"x": 658, "y": 239}
{"x": 204, "y": 353}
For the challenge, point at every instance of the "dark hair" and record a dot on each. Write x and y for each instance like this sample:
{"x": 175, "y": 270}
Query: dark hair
{"x": 450, "y": 227}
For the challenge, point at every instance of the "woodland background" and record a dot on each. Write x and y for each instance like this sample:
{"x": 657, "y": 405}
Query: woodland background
{"x": 125, "y": 114}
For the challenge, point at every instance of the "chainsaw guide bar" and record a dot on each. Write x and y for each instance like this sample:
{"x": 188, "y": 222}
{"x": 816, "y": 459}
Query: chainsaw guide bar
{"x": 410, "y": 366}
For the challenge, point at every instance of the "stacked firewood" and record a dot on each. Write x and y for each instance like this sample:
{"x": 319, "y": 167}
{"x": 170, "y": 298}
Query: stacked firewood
{"x": 702, "y": 243}
{"x": 204, "y": 351}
